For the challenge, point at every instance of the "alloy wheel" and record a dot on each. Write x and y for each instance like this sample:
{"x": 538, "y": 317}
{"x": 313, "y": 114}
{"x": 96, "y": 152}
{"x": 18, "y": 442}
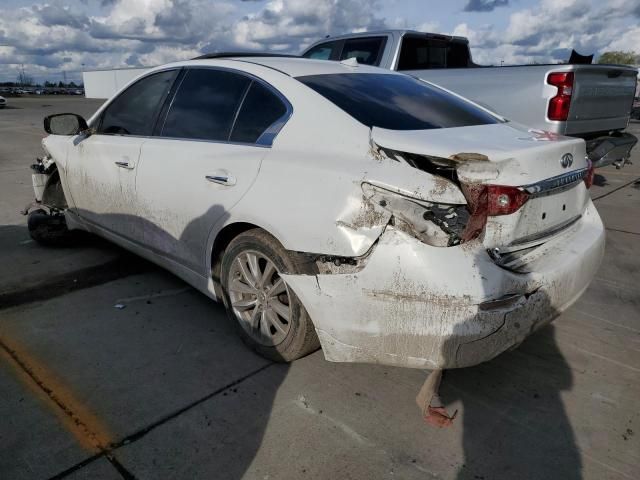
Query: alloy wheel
{"x": 259, "y": 298}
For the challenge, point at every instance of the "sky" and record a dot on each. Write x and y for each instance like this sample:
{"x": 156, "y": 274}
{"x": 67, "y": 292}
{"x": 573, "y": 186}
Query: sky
{"x": 57, "y": 39}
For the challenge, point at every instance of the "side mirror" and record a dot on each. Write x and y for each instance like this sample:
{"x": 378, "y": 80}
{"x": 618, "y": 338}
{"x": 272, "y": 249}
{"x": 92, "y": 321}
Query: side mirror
{"x": 65, "y": 124}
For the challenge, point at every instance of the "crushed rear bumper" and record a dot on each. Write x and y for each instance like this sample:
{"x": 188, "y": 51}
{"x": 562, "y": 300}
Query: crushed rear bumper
{"x": 418, "y": 306}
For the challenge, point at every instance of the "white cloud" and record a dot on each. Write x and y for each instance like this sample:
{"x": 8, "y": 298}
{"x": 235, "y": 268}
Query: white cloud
{"x": 547, "y": 33}
{"x": 55, "y": 35}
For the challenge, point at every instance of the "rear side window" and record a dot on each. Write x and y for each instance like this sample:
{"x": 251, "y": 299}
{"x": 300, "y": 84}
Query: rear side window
{"x": 365, "y": 50}
{"x": 134, "y": 111}
{"x": 324, "y": 51}
{"x": 205, "y": 105}
{"x": 418, "y": 53}
{"x": 396, "y": 102}
{"x": 260, "y": 109}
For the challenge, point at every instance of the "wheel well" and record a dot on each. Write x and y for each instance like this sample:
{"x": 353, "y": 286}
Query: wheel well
{"x": 53, "y": 194}
{"x": 220, "y": 244}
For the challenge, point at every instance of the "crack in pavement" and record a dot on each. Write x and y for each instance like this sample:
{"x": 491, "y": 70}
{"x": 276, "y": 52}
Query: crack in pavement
{"x": 616, "y": 189}
{"x": 108, "y": 452}
{"x": 85, "y": 426}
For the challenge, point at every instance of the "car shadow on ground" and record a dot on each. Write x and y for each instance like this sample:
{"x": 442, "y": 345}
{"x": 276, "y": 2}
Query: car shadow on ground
{"x": 170, "y": 398}
{"x": 514, "y": 422}
{"x": 600, "y": 180}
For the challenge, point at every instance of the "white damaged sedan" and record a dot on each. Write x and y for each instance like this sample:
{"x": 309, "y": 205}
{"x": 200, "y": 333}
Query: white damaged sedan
{"x": 332, "y": 204}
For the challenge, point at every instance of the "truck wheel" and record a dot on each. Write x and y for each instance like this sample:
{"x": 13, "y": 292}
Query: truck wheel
{"x": 269, "y": 316}
{"x": 50, "y": 230}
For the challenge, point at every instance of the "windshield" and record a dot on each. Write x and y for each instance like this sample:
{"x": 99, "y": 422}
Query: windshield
{"x": 396, "y": 102}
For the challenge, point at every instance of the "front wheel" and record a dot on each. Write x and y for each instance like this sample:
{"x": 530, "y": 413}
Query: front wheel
{"x": 270, "y": 317}
{"x": 50, "y": 229}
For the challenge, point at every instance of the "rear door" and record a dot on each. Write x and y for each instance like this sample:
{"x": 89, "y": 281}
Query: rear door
{"x": 204, "y": 158}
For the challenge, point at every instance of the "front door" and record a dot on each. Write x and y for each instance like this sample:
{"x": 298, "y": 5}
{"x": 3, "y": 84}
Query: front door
{"x": 103, "y": 166}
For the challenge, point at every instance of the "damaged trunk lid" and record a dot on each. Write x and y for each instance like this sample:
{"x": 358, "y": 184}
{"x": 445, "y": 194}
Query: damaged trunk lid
{"x": 532, "y": 181}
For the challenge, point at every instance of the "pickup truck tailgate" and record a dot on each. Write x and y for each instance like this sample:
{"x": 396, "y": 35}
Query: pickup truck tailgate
{"x": 602, "y": 98}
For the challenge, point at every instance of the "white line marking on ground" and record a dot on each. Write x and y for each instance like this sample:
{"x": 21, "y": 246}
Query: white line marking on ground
{"x": 607, "y": 359}
{"x": 605, "y": 320}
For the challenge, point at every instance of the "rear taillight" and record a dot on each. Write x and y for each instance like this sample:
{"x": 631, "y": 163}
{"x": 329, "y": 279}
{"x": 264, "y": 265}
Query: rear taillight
{"x": 559, "y": 105}
{"x": 588, "y": 178}
{"x": 504, "y": 200}
{"x": 490, "y": 201}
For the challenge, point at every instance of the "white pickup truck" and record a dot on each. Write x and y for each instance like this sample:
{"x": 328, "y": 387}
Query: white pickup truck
{"x": 592, "y": 102}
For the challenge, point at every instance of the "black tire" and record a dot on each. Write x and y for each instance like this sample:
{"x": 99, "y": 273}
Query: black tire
{"x": 301, "y": 338}
{"x": 50, "y": 230}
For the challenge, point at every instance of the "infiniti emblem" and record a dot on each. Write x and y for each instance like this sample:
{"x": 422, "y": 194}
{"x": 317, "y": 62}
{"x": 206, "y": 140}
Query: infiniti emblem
{"x": 566, "y": 160}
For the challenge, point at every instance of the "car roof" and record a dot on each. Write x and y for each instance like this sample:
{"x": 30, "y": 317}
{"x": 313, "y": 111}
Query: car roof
{"x": 293, "y": 66}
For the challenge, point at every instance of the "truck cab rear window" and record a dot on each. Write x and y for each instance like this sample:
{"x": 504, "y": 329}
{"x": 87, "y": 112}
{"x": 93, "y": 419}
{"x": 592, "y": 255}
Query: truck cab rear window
{"x": 418, "y": 53}
{"x": 396, "y": 102}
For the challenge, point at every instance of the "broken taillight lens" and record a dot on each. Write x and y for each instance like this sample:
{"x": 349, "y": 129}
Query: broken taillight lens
{"x": 559, "y": 105}
{"x": 503, "y": 200}
{"x": 588, "y": 178}
{"x": 436, "y": 224}
{"x": 490, "y": 201}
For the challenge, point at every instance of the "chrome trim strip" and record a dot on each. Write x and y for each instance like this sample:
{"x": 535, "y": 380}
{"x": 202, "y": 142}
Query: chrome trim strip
{"x": 555, "y": 184}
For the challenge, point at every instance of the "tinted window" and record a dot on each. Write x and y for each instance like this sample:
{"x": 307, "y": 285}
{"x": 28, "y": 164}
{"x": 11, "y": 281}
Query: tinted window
{"x": 396, "y": 102}
{"x": 366, "y": 50}
{"x": 134, "y": 111}
{"x": 205, "y": 105}
{"x": 259, "y": 110}
{"x": 422, "y": 53}
{"x": 321, "y": 52}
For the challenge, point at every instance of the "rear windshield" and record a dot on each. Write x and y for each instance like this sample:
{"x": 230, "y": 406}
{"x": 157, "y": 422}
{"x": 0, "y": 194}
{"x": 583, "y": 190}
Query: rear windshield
{"x": 396, "y": 102}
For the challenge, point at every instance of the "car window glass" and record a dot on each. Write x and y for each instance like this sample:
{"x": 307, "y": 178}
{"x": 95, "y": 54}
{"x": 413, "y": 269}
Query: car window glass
{"x": 134, "y": 111}
{"x": 365, "y": 50}
{"x": 260, "y": 109}
{"x": 205, "y": 105}
{"x": 321, "y": 52}
{"x": 423, "y": 53}
{"x": 396, "y": 102}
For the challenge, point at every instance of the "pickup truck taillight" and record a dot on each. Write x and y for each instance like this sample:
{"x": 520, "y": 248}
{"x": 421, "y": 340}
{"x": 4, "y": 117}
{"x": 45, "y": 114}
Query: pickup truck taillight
{"x": 559, "y": 105}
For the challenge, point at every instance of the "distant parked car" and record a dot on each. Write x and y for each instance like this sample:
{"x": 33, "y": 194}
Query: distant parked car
{"x": 3, "y": 102}
{"x": 78, "y": 92}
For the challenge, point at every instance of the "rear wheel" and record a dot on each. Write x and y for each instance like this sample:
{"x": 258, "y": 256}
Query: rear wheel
{"x": 270, "y": 317}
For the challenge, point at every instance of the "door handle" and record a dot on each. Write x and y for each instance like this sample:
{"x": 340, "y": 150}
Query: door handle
{"x": 222, "y": 179}
{"x": 124, "y": 165}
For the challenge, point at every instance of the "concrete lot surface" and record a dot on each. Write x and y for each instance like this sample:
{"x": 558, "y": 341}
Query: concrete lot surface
{"x": 163, "y": 388}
